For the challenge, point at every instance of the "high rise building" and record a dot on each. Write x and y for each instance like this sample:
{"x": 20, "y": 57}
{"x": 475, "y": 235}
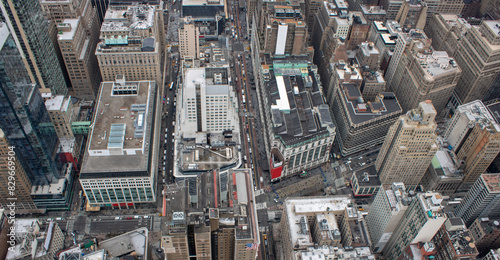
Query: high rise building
{"x": 362, "y": 125}
{"x": 453, "y": 241}
{"x": 298, "y": 126}
{"x": 474, "y": 137}
{"x": 29, "y": 30}
{"x": 415, "y": 40}
{"x": 220, "y": 224}
{"x": 25, "y": 121}
{"x": 446, "y": 171}
{"x": 77, "y": 39}
{"x": 482, "y": 199}
{"x": 358, "y": 30}
{"x": 412, "y": 15}
{"x": 420, "y": 222}
{"x": 210, "y": 102}
{"x": 409, "y": 147}
{"x": 388, "y": 208}
{"x": 446, "y": 31}
{"x": 428, "y": 75}
{"x": 486, "y": 233}
{"x": 312, "y": 7}
{"x": 130, "y": 43}
{"x": 15, "y": 175}
{"x": 189, "y": 38}
{"x": 368, "y": 56}
{"x": 29, "y": 232}
{"x": 285, "y": 32}
{"x": 324, "y": 226}
{"x": 120, "y": 165}
{"x": 494, "y": 254}
{"x": 478, "y": 56}
{"x": 60, "y": 111}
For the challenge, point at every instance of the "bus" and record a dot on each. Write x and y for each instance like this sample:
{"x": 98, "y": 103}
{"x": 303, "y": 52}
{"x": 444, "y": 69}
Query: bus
{"x": 172, "y": 85}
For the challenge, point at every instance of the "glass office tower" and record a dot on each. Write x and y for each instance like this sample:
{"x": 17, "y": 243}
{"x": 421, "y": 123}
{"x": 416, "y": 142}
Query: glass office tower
{"x": 23, "y": 116}
{"x": 30, "y": 32}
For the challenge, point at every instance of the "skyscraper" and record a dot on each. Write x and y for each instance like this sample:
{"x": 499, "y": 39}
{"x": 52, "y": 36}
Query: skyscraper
{"x": 30, "y": 33}
{"x": 478, "y": 55}
{"x": 22, "y": 186}
{"x": 475, "y": 138}
{"x": 482, "y": 200}
{"x": 388, "y": 208}
{"x": 130, "y": 43}
{"x": 421, "y": 221}
{"x": 24, "y": 118}
{"x": 408, "y": 147}
{"x": 189, "y": 38}
{"x": 427, "y": 75}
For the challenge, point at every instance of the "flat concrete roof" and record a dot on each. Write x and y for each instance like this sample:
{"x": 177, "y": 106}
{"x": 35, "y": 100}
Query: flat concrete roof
{"x": 122, "y": 129}
{"x": 73, "y": 23}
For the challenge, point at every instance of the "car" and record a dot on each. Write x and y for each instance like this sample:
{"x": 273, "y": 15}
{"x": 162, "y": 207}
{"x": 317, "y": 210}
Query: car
{"x": 166, "y": 130}
{"x": 166, "y": 135}
{"x": 361, "y": 157}
{"x": 129, "y": 218}
{"x": 362, "y": 164}
{"x": 149, "y": 216}
{"x": 136, "y": 216}
{"x": 117, "y": 218}
{"x": 361, "y": 209}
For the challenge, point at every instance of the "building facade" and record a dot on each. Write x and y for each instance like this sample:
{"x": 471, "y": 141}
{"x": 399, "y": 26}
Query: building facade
{"x": 12, "y": 172}
{"x": 285, "y": 32}
{"x": 60, "y": 111}
{"x": 409, "y": 147}
{"x": 475, "y": 138}
{"x": 293, "y": 91}
{"x": 130, "y": 43}
{"x": 388, "y": 208}
{"x": 119, "y": 169}
{"x": 25, "y": 121}
{"x": 482, "y": 200}
{"x": 189, "y": 38}
{"x": 362, "y": 125}
{"x": 420, "y": 222}
{"x": 428, "y": 75}
{"x": 478, "y": 56}
{"x": 486, "y": 233}
{"x": 30, "y": 32}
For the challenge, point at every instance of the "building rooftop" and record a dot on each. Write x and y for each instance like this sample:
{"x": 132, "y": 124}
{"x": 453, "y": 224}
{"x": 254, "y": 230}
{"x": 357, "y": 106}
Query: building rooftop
{"x": 295, "y": 96}
{"x": 445, "y": 163}
{"x": 58, "y": 103}
{"x": 330, "y": 252}
{"x": 397, "y": 196}
{"x": 56, "y": 187}
{"x": 202, "y": 2}
{"x": 67, "y": 29}
{"x": 489, "y": 225}
{"x": 436, "y": 64}
{"x": 133, "y": 243}
{"x": 492, "y": 182}
{"x": 379, "y": 25}
{"x": 97, "y": 255}
{"x": 138, "y": 17}
{"x": 493, "y": 34}
{"x": 431, "y": 204}
{"x": 361, "y": 111}
{"x": 478, "y": 113}
{"x": 372, "y": 10}
{"x": 33, "y": 239}
{"x": 298, "y": 209}
{"x": 460, "y": 237}
{"x": 368, "y": 48}
{"x": 367, "y": 176}
{"x": 122, "y": 128}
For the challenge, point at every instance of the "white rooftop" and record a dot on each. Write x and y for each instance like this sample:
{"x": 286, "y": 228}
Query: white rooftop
{"x": 477, "y": 112}
{"x": 282, "y": 103}
{"x": 297, "y": 208}
{"x": 58, "y": 103}
{"x": 71, "y": 33}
